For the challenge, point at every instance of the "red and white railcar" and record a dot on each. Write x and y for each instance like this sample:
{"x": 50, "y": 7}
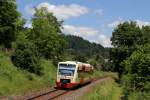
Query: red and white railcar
{"x": 68, "y": 74}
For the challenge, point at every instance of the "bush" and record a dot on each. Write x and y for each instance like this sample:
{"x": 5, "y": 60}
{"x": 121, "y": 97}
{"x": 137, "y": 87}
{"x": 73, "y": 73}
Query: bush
{"x": 81, "y": 58}
{"x": 26, "y": 56}
{"x": 138, "y": 68}
{"x": 139, "y": 96}
{"x": 107, "y": 67}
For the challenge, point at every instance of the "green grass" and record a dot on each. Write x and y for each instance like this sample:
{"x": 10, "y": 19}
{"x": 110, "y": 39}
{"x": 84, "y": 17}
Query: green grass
{"x": 139, "y": 96}
{"x": 107, "y": 90}
{"x": 14, "y": 81}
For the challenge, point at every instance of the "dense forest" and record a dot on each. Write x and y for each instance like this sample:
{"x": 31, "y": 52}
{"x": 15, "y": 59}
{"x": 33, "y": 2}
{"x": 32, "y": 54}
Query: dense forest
{"x": 79, "y": 46}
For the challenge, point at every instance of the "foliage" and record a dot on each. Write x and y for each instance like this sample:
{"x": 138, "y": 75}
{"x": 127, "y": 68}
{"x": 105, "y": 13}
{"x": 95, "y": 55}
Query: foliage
{"x": 8, "y": 18}
{"x": 130, "y": 56}
{"x": 97, "y": 61}
{"x": 125, "y": 39}
{"x": 80, "y": 58}
{"x": 46, "y": 34}
{"x": 108, "y": 66}
{"x": 126, "y": 34}
{"x": 117, "y": 55}
{"x": 139, "y": 96}
{"x": 26, "y": 56}
{"x": 145, "y": 37}
{"x": 137, "y": 68}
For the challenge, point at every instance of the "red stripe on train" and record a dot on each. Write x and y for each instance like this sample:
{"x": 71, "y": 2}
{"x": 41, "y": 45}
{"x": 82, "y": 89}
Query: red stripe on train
{"x": 66, "y": 86}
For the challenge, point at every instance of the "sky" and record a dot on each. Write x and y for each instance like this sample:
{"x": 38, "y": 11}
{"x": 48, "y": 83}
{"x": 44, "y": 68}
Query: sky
{"x": 94, "y": 20}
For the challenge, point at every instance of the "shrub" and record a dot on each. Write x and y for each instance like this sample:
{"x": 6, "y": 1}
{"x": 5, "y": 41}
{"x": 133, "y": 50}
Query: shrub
{"x": 81, "y": 58}
{"x": 108, "y": 66}
{"x": 139, "y": 96}
{"x": 26, "y": 56}
{"x": 138, "y": 68}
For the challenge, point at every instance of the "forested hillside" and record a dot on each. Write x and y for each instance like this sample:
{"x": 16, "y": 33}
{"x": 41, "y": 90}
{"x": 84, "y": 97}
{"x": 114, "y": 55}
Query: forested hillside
{"x": 79, "y": 46}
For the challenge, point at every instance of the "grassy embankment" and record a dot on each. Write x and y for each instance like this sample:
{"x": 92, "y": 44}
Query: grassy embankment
{"x": 14, "y": 81}
{"x": 107, "y": 90}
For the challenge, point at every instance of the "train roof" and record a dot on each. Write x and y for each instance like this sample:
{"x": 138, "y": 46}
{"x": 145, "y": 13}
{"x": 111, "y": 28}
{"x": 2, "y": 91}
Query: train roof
{"x": 72, "y": 62}
{"x": 69, "y": 62}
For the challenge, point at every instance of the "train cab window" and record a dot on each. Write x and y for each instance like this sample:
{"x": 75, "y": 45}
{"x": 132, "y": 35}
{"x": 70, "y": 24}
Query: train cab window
{"x": 67, "y": 69}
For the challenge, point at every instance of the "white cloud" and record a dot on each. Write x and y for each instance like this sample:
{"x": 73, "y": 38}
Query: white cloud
{"x": 87, "y": 33}
{"x": 61, "y": 11}
{"x": 29, "y": 9}
{"x": 104, "y": 40}
{"x": 79, "y": 31}
{"x": 142, "y": 23}
{"x": 65, "y": 11}
{"x": 28, "y": 25}
{"x": 115, "y": 23}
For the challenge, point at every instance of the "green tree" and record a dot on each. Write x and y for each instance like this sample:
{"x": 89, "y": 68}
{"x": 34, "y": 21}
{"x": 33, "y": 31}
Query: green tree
{"x": 98, "y": 62}
{"x": 130, "y": 56}
{"x": 26, "y": 56}
{"x": 124, "y": 38}
{"x": 137, "y": 69}
{"x": 126, "y": 34}
{"x": 46, "y": 34}
{"x": 81, "y": 58}
{"x": 8, "y": 19}
{"x": 145, "y": 38}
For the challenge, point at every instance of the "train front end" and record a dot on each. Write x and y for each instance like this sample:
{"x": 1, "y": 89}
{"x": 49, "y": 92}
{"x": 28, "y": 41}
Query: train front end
{"x": 66, "y": 75}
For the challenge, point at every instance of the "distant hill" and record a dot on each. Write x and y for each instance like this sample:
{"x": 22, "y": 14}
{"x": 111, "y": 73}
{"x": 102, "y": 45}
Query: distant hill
{"x": 79, "y": 46}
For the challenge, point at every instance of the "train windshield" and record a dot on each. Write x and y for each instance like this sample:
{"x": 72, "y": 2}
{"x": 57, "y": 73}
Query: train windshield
{"x": 67, "y": 69}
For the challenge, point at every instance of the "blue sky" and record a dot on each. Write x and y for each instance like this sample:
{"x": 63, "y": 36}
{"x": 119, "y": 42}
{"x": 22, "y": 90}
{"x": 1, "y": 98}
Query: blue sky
{"x": 93, "y": 20}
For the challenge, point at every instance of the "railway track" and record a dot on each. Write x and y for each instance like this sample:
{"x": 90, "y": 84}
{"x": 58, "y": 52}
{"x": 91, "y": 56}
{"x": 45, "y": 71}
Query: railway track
{"x": 54, "y": 94}
{"x": 49, "y": 95}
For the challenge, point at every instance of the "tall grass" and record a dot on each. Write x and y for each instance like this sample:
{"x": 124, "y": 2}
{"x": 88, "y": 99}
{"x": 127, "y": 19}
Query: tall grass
{"x": 107, "y": 90}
